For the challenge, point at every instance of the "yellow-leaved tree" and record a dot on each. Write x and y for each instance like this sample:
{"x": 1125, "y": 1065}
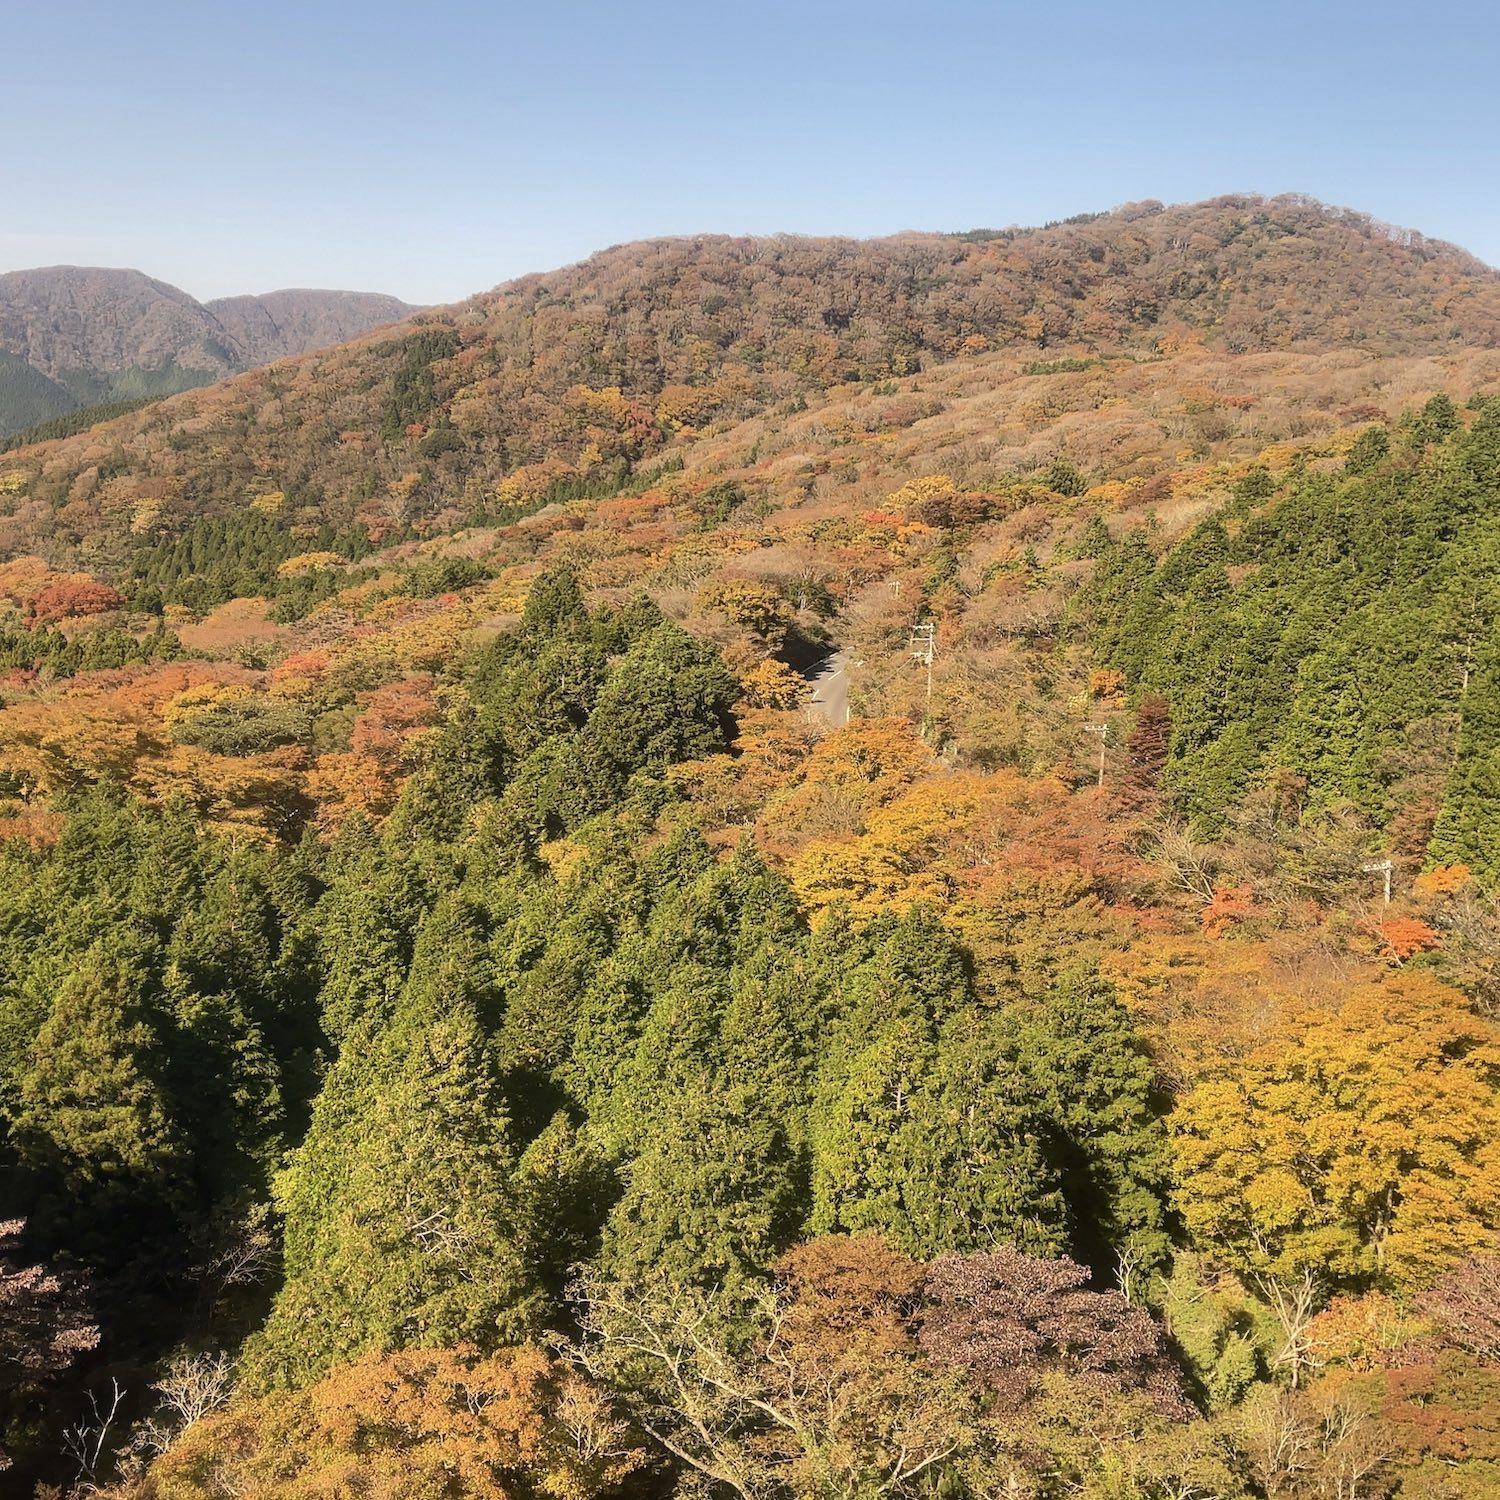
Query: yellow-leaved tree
{"x": 1360, "y": 1143}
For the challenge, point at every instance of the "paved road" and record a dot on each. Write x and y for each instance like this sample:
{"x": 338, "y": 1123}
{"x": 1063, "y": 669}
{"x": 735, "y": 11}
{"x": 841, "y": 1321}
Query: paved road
{"x": 829, "y": 679}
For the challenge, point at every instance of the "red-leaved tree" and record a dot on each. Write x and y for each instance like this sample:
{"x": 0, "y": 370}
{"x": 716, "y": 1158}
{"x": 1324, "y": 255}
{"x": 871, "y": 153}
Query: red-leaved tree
{"x": 72, "y": 598}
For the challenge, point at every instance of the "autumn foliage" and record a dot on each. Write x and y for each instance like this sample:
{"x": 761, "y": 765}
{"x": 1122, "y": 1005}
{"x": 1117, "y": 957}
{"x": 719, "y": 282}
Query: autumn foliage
{"x": 460, "y": 992}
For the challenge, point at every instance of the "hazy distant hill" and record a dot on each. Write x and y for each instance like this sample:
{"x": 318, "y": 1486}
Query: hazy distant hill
{"x": 277, "y": 324}
{"x": 76, "y": 336}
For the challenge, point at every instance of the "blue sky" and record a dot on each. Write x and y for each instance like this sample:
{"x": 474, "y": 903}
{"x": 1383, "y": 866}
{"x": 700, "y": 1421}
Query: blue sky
{"x": 433, "y": 150}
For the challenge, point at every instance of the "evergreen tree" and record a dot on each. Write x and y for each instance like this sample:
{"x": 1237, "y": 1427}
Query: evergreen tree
{"x": 404, "y": 1222}
{"x": 669, "y": 699}
{"x": 553, "y": 693}
{"x": 1468, "y": 825}
{"x": 979, "y": 1172}
{"x": 94, "y": 1125}
{"x": 1119, "y": 587}
{"x": 1369, "y": 451}
{"x": 225, "y": 1025}
{"x": 564, "y": 1190}
{"x": 1088, "y": 1076}
{"x": 712, "y": 1198}
{"x": 365, "y": 923}
{"x": 464, "y": 769}
{"x": 868, "y": 1154}
{"x": 554, "y": 605}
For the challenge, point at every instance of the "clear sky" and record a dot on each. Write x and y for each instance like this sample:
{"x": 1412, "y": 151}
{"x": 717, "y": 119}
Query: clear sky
{"x": 433, "y": 149}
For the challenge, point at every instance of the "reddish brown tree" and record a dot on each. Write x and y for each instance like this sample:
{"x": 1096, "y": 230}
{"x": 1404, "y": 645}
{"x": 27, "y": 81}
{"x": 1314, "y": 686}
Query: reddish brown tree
{"x": 43, "y": 1324}
{"x": 1465, "y": 1304}
{"x": 1007, "y": 1319}
{"x": 1146, "y": 749}
{"x": 72, "y": 598}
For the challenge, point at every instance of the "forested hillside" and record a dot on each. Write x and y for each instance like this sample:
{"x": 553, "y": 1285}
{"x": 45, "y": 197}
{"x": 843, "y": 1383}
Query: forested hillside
{"x": 560, "y": 386}
{"x": 470, "y": 1026}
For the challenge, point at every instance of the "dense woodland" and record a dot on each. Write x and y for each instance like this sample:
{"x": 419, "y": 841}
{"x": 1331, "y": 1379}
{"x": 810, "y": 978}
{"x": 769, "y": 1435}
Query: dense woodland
{"x": 468, "y": 1027}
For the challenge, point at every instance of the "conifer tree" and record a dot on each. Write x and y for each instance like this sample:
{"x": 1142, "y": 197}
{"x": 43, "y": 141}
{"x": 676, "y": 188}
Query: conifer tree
{"x": 980, "y": 1172}
{"x": 225, "y": 1025}
{"x": 712, "y": 1197}
{"x": 1370, "y": 449}
{"x": 1147, "y": 748}
{"x": 669, "y": 698}
{"x": 865, "y": 1157}
{"x": 1468, "y": 825}
{"x": 554, "y": 604}
{"x": 1089, "y": 1077}
{"x": 365, "y": 923}
{"x": 606, "y": 1038}
{"x": 404, "y": 1223}
{"x": 463, "y": 770}
{"x": 93, "y": 1121}
{"x": 1120, "y": 584}
{"x": 1330, "y": 735}
{"x": 868, "y": 1155}
{"x": 543, "y": 994}
{"x": 564, "y": 1190}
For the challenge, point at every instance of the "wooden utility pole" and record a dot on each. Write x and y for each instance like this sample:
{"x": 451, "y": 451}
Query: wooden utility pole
{"x": 1102, "y": 730}
{"x": 924, "y": 648}
{"x": 1380, "y": 867}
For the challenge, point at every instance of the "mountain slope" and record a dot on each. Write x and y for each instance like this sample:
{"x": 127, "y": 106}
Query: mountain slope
{"x": 433, "y": 705}
{"x": 27, "y": 397}
{"x": 559, "y": 385}
{"x": 1248, "y": 273}
{"x": 96, "y": 335}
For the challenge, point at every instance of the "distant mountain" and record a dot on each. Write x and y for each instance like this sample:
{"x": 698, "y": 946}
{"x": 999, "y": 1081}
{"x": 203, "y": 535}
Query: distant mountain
{"x": 277, "y": 324}
{"x": 73, "y": 337}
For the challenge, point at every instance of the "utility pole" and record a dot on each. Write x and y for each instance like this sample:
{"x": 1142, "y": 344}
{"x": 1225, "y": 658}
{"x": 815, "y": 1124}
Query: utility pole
{"x": 1102, "y": 730}
{"x": 1380, "y": 867}
{"x": 924, "y": 648}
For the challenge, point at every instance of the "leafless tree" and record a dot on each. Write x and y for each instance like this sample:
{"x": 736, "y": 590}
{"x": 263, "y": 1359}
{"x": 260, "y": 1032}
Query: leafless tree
{"x": 84, "y": 1441}
{"x": 1295, "y": 1303}
{"x": 195, "y": 1386}
{"x": 797, "y": 1409}
{"x": 1187, "y": 865}
{"x": 1314, "y": 1449}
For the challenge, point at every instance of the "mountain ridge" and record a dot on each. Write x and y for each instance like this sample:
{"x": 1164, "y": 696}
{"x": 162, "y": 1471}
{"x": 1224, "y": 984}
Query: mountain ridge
{"x": 78, "y": 336}
{"x": 560, "y": 383}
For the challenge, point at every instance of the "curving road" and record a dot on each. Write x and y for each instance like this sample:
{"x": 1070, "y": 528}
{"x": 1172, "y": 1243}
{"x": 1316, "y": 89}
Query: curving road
{"x": 829, "y": 680}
